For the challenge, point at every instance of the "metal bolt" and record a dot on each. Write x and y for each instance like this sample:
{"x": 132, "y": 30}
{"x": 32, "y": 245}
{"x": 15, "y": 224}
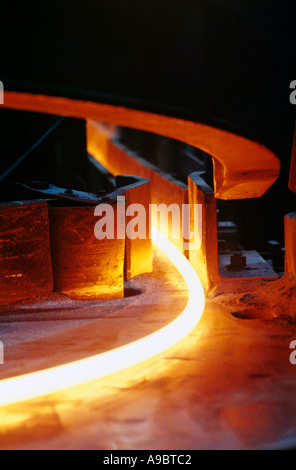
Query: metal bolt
{"x": 238, "y": 261}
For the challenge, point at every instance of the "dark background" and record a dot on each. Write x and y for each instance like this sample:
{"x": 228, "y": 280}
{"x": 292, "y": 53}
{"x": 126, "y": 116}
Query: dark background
{"x": 228, "y": 63}
{"x": 225, "y": 62}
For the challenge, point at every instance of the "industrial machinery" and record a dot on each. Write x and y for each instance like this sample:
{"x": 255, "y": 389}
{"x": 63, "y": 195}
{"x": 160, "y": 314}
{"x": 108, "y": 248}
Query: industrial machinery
{"x": 147, "y": 225}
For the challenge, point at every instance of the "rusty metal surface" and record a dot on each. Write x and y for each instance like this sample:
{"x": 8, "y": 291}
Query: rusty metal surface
{"x": 25, "y": 259}
{"x": 52, "y": 245}
{"x": 83, "y": 266}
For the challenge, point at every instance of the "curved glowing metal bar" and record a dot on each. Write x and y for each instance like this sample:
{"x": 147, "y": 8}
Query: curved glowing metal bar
{"x": 243, "y": 169}
{"x": 52, "y": 380}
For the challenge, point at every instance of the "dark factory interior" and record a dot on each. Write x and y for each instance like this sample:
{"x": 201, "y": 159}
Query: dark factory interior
{"x": 148, "y": 342}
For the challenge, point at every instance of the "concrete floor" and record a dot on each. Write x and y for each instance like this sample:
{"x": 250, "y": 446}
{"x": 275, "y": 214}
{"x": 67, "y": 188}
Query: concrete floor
{"x": 228, "y": 385}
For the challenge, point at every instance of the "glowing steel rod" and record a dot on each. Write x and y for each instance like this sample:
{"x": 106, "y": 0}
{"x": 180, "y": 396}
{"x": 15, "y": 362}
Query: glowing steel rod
{"x": 52, "y": 380}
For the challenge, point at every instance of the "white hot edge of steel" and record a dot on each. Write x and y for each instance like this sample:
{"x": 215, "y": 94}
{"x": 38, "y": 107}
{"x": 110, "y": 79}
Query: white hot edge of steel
{"x": 56, "y": 379}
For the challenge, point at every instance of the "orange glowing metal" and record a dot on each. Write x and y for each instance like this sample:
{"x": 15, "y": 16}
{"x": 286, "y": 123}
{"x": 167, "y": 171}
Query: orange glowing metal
{"x": 242, "y": 169}
{"x": 77, "y": 373}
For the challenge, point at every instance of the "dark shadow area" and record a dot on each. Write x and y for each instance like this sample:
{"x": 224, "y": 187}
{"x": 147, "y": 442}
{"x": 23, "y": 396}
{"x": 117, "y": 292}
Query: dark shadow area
{"x": 131, "y": 292}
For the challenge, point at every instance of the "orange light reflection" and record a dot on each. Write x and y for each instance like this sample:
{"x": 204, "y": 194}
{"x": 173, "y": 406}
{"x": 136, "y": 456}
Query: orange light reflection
{"x": 59, "y": 378}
